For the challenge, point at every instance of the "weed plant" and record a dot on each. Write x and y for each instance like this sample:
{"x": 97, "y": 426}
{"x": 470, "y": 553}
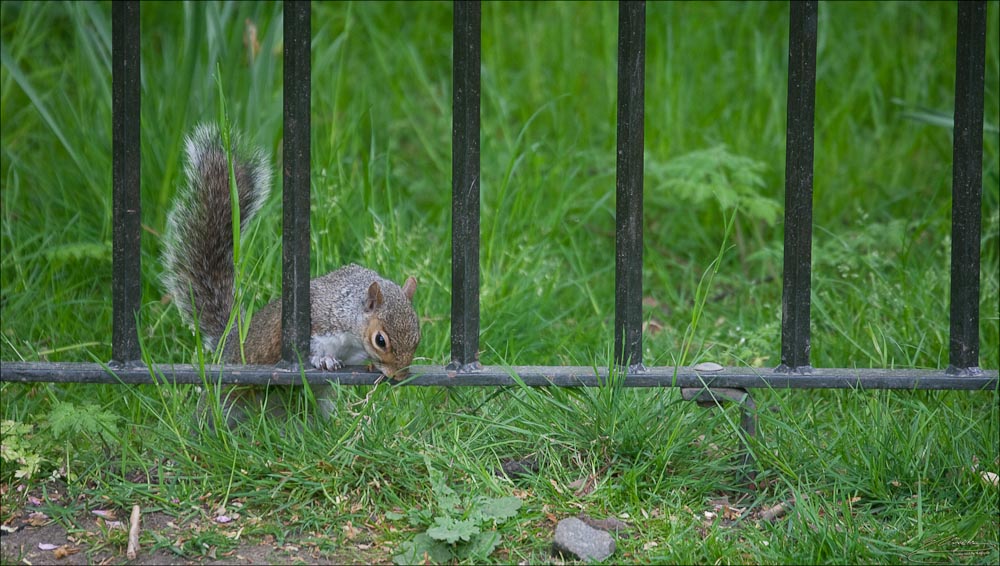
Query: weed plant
{"x": 875, "y": 476}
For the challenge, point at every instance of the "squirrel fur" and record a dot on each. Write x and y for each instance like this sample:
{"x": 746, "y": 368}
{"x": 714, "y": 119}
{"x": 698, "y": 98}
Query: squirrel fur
{"x": 357, "y": 315}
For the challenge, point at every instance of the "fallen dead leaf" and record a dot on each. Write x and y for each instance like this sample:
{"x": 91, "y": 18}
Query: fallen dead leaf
{"x": 64, "y": 551}
{"x": 583, "y": 486}
{"x": 653, "y": 327}
{"x": 731, "y": 513}
{"x": 251, "y": 41}
{"x": 350, "y": 531}
{"x": 991, "y": 478}
{"x": 37, "y": 519}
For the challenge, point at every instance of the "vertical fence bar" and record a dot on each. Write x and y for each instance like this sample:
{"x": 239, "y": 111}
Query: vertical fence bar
{"x": 125, "y": 105}
{"x": 295, "y": 314}
{"x": 465, "y": 187}
{"x": 967, "y": 187}
{"x": 798, "y": 188}
{"x": 628, "y": 184}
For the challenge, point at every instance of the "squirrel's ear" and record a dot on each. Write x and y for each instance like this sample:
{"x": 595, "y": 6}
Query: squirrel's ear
{"x": 410, "y": 287}
{"x": 374, "y": 297}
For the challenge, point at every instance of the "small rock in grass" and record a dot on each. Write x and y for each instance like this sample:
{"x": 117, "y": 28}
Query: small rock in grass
{"x": 575, "y": 537}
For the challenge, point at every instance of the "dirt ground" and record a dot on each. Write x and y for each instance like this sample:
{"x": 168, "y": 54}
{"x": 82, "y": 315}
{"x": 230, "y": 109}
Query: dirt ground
{"x": 30, "y": 539}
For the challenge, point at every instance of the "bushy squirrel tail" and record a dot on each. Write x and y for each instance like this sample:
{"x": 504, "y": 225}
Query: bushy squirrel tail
{"x": 198, "y": 256}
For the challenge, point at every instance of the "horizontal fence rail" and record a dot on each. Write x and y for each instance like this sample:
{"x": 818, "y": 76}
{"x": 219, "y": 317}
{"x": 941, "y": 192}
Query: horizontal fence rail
{"x": 530, "y": 376}
{"x": 795, "y": 371}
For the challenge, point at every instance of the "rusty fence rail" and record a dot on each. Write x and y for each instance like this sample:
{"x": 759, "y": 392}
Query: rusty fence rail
{"x": 795, "y": 370}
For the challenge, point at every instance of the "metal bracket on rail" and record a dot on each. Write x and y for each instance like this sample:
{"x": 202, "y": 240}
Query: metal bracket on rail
{"x": 715, "y": 397}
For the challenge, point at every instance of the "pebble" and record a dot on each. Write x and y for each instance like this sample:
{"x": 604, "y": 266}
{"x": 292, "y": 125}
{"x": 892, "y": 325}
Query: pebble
{"x": 579, "y": 539}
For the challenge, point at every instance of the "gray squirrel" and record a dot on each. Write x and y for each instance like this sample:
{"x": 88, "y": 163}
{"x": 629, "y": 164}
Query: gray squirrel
{"x": 357, "y": 315}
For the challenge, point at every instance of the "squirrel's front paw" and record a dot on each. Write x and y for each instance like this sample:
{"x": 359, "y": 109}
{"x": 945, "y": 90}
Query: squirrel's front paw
{"x": 328, "y": 363}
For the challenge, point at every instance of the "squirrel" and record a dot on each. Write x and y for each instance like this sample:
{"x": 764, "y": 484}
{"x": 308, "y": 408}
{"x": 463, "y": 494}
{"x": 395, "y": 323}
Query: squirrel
{"x": 357, "y": 315}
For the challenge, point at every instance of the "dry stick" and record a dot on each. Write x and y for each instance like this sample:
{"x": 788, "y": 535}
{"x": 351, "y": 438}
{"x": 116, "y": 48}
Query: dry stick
{"x": 773, "y": 513}
{"x": 133, "y": 534}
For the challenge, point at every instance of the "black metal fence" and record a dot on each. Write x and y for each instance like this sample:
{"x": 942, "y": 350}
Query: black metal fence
{"x": 465, "y": 369}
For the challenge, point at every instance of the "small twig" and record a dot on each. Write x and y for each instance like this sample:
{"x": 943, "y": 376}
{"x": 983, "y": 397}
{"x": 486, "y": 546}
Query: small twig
{"x": 774, "y": 513}
{"x": 133, "y": 534}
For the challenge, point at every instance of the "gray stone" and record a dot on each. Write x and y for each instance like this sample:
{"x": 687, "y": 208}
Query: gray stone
{"x": 575, "y": 537}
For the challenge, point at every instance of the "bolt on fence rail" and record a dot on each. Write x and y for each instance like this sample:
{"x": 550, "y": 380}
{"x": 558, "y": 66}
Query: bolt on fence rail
{"x": 795, "y": 370}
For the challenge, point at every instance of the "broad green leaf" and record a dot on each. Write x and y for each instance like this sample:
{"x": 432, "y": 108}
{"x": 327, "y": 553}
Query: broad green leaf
{"x": 451, "y": 530}
{"x": 416, "y": 551}
{"x": 445, "y": 497}
{"x": 498, "y": 510}
{"x": 479, "y": 548}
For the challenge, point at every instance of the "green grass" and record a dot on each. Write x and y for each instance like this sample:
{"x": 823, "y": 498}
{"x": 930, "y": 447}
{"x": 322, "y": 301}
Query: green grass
{"x": 878, "y": 476}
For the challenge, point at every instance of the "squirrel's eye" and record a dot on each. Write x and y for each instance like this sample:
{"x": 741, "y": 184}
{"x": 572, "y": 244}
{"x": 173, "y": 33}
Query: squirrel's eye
{"x": 380, "y": 340}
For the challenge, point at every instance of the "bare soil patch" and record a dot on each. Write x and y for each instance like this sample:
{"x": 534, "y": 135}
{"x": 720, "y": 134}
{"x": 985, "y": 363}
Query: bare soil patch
{"x": 27, "y": 538}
